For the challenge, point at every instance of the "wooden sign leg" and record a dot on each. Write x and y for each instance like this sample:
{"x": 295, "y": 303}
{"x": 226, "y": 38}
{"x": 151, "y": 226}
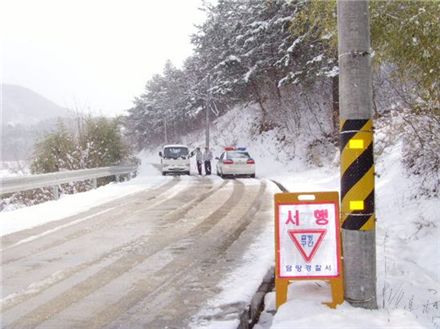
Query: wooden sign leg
{"x": 281, "y": 286}
{"x": 337, "y": 286}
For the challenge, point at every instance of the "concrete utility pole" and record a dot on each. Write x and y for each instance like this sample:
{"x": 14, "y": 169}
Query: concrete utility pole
{"x": 357, "y": 164}
{"x": 207, "y": 104}
{"x": 165, "y": 130}
{"x": 207, "y": 125}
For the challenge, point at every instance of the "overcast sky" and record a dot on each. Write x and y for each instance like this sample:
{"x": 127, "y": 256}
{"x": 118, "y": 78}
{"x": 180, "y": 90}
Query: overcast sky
{"x": 95, "y": 55}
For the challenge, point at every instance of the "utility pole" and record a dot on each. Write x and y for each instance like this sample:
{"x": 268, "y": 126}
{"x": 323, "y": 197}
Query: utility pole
{"x": 357, "y": 164}
{"x": 207, "y": 104}
{"x": 165, "y": 130}
{"x": 207, "y": 125}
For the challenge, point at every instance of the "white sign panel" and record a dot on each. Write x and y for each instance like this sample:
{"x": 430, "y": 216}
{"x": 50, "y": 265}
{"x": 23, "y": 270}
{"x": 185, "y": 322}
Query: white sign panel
{"x": 308, "y": 238}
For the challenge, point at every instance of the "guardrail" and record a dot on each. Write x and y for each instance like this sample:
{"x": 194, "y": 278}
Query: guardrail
{"x": 24, "y": 183}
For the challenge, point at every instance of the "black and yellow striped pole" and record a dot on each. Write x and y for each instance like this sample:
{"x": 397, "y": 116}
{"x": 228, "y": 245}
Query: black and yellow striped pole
{"x": 357, "y": 175}
{"x": 357, "y": 161}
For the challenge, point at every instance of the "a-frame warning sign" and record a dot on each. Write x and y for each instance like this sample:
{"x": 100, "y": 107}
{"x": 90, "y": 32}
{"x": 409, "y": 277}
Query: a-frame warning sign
{"x": 307, "y": 238}
{"x": 307, "y": 241}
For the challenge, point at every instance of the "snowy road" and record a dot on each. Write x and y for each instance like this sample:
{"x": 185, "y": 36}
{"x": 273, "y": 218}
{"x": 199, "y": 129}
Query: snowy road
{"x": 149, "y": 260}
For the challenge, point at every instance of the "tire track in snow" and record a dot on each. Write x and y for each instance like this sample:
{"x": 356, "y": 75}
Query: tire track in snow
{"x": 119, "y": 253}
{"x": 109, "y": 273}
{"x": 177, "y": 281}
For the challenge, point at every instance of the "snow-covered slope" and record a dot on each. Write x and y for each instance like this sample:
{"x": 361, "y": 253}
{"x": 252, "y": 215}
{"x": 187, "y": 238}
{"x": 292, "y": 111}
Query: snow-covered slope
{"x": 408, "y": 230}
{"x": 408, "y": 266}
{"x": 408, "y": 242}
{"x": 274, "y": 151}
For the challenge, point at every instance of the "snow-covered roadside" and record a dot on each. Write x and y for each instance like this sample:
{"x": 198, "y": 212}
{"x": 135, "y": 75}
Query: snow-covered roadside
{"x": 408, "y": 267}
{"x": 305, "y": 313}
{"x": 69, "y": 205}
{"x": 242, "y": 282}
{"x": 408, "y": 241}
{"x": 408, "y": 283}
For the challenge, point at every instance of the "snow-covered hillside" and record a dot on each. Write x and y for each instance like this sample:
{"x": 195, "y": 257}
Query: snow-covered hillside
{"x": 408, "y": 234}
{"x": 407, "y": 242}
{"x": 275, "y": 150}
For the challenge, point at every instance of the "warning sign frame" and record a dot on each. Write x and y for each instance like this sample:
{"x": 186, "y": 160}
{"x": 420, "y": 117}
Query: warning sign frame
{"x": 321, "y": 198}
{"x": 294, "y": 199}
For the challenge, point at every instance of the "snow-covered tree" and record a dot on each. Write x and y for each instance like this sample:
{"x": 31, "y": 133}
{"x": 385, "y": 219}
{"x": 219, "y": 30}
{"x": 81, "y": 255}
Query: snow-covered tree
{"x": 57, "y": 151}
{"x": 282, "y": 56}
{"x": 101, "y": 143}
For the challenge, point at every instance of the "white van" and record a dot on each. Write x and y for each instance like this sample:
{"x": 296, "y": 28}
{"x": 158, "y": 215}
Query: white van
{"x": 175, "y": 159}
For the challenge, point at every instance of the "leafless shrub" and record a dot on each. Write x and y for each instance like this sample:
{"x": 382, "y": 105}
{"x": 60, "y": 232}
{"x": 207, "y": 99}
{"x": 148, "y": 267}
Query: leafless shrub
{"x": 421, "y": 150}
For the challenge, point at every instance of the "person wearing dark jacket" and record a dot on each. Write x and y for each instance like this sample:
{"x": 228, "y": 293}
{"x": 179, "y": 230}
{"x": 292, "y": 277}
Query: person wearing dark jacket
{"x": 199, "y": 159}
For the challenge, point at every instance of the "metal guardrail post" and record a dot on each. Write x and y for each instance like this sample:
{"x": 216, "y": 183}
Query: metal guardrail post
{"x": 56, "y": 192}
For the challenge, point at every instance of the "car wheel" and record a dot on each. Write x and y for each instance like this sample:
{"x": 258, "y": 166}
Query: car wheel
{"x": 164, "y": 173}
{"x": 253, "y": 176}
{"x": 188, "y": 173}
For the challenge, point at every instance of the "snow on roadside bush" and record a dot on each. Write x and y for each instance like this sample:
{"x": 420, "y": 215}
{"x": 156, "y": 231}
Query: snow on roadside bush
{"x": 420, "y": 137}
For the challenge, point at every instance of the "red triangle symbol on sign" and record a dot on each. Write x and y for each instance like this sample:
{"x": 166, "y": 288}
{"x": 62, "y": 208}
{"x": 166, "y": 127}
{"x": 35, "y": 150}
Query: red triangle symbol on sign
{"x": 307, "y": 241}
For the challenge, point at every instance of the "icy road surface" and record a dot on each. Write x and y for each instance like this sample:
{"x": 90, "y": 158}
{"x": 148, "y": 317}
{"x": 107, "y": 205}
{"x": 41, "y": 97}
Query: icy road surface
{"x": 149, "y": 260}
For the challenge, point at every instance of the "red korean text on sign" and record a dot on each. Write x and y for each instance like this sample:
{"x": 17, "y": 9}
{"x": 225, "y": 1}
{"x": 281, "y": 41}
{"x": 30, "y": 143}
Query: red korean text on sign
{"x": 294, "y": 220}
{"x": 321, "y": 216}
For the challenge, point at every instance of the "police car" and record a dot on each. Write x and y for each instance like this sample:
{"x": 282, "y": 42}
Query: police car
{"x": 235, "y": 161}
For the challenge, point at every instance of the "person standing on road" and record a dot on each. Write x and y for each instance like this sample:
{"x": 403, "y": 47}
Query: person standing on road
{"x": 199, "y": 159}
{"x": 207, "y": 157}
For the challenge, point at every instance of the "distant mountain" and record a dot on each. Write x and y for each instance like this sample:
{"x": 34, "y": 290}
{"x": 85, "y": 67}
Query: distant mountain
{"x": 26, "y": 117}
{"x": 22, "y": 106}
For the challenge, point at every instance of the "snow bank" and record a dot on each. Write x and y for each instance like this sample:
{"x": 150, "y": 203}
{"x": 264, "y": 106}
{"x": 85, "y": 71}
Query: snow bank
{"x": 408, "y": 267}
{"x": 312, "y": 315}
{"x": 408, "y": 241}
{"x": 304, "y": 310}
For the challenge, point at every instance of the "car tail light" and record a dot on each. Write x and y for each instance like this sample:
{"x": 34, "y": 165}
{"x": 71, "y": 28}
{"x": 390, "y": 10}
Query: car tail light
{"x": 228, "y": 162}
{"x": 250, "y": 161}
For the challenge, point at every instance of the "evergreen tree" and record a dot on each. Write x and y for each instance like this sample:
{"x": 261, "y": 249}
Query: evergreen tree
{"x": 282, "y": 56}
{"x": 101, "y": 143}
